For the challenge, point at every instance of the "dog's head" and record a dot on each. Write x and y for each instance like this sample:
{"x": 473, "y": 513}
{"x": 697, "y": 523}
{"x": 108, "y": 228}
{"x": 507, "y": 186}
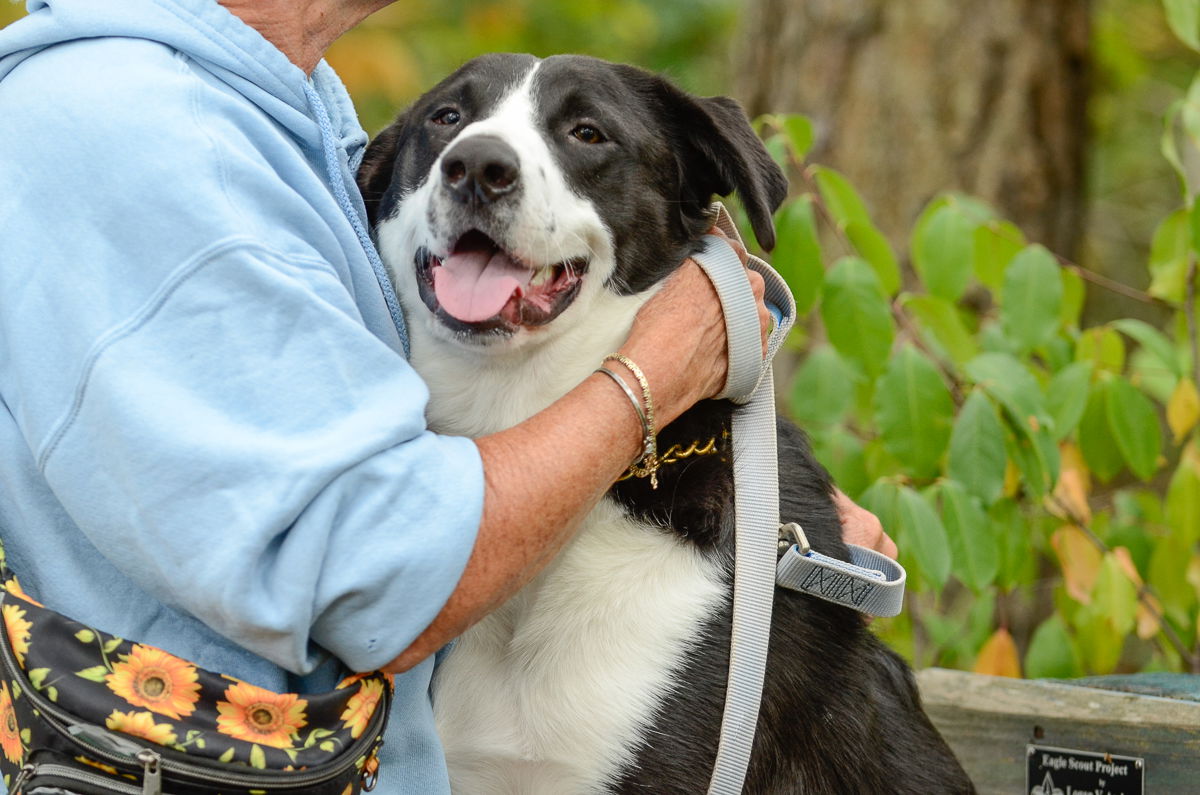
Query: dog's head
{"x": 518, "y": 190}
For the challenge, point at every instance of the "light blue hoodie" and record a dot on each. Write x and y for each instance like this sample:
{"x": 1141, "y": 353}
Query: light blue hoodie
{"x": 210, "y": 440}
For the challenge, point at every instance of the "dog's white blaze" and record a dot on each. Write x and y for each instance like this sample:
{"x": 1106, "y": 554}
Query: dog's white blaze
{"x": 551, "y": 224}
{"x": 551, "y": 694}
{"x": 476, "y": 390}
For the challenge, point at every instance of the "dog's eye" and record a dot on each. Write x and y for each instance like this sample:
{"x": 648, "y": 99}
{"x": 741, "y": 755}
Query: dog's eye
{"x": 446, "y": 116}
{"x": 588, "y": 134}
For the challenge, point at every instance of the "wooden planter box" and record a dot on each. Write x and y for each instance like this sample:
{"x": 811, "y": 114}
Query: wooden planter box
{"x": 991, "y": 722}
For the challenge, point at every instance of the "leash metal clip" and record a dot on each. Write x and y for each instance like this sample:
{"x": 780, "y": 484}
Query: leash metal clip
{"x": 792, "y": 535}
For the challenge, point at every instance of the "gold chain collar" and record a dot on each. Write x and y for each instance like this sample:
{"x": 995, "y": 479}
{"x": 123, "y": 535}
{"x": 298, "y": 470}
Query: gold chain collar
{"x": 676, "y": 453}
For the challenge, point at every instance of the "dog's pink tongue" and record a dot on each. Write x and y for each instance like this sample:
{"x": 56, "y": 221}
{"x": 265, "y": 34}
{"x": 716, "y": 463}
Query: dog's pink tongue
{"x": 475, "y": 285}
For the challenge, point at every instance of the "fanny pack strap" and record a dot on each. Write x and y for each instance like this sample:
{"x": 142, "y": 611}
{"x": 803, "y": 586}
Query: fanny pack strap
{"x": 759, "y": 534}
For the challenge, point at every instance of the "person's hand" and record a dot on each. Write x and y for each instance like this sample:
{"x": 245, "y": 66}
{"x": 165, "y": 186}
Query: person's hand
{"x": 861, "y": 527}
{"x": 678, "y": 338}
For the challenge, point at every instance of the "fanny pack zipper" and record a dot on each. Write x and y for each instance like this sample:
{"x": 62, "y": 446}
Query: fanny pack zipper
{"x": 145, "y": 757}
{"x": 72, "y": 774}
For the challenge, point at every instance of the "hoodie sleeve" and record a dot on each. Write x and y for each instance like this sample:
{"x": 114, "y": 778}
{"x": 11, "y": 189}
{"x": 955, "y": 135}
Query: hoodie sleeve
{"x": 195, "y": 377}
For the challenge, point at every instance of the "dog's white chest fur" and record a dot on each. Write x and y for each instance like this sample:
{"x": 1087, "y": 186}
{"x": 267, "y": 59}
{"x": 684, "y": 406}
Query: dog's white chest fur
{"x": 551, "y": 694}
{"x": 599, "y": 634}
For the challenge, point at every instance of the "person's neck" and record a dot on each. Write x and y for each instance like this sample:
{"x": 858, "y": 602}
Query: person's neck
{"x": 303, "y": 29}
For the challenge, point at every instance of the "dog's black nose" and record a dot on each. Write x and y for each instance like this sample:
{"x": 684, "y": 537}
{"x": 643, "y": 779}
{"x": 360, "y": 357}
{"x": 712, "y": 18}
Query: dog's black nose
{"x": 480, "y": 169}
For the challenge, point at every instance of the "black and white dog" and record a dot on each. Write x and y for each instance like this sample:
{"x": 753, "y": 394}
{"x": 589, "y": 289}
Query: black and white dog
{"x": 526, "y": 209}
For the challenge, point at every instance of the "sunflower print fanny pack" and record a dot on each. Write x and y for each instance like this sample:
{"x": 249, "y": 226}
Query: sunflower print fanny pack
{"x": 85, "y": 712}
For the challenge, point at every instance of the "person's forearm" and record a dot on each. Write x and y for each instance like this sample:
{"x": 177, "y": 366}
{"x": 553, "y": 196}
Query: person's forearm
{"x": 542, "y": 477}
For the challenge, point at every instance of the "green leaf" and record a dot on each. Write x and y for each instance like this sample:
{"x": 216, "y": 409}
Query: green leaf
{"x": 1184, "y": 18}
{"x": 1167, "y": 573}
{"x": 977, "y": 458}
{"x": 226, "y": 757}
{"x": 1152, "y": 340}
{"x": 1103, "y": 347}
{"x": 842, "y": 453}
{"x": 1057, "y": 353}
{"x": 1183, "y": 497}
{"x": 112, "y": 645}
{"x": 1190, "y": 114}
{"x": 942, "y": 249}
{"x": 778, "y": 148}
{"x": 799, "y": 131}
{"x": 992, "y": 339}
{"x": 1012, "y": 385}
{"x": 797, "y": 254}
{"x": 915, "y": 412}
{"x": 1169, "y": 255}
{"x": 1135, "y": 426}
{"x": 1115, "y": 596}
{"x": 996, "y": 244}
{"x": 85, "y": 636}
{"x": 97, "y": 673}
{"x": 857, "y": 315}
{"x": 257, "y": 758}
{"x": 824, "y": 388}
{"x": 882, "y": 499}
{"x": 1067, "y": 395}
{"x": 1037, "y": 464}
{"x": 841, "y": 200}
{"x": 1095, "y": 440}
{"x": 1053, "y": 653}
{"x": 939, "y": 320}
{"x": 875, "y": 249}
{"x": 52, "y": 693}
{"x": 1170, "y": 149}
{"x": 1031, "y": 298}
{"x": 922, "y": 530}
{"x": 1146, "y": 371}
{"x": 1074, "y": 294}
{"x": 974, "y": 549}
{"x": 37, "y": 677}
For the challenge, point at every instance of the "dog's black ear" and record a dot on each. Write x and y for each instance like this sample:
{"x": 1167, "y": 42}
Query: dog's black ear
{"x": 375, "y": 173}
{"x": 719, "y": 153}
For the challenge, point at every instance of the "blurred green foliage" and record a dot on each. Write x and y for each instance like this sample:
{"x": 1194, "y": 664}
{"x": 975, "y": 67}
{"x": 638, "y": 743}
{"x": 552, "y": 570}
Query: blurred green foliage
{"x": 1139, "y": 67}
{"x": 407, "y": 47}
{"x": 1040, "y": 473}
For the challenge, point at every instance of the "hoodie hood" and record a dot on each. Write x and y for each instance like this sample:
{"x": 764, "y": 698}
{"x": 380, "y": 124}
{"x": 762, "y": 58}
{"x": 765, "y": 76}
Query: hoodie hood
{"x": 206, "y": 32}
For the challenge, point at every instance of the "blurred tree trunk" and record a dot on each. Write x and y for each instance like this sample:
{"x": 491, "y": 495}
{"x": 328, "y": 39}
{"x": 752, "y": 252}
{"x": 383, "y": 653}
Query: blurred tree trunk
{"x": 913, "y": 97}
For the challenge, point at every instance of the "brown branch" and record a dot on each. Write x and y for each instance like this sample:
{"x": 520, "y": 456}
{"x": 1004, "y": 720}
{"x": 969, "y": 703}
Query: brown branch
{"x": 954, "y": 384}
{"x": 1115, "y": 286}
{"x": 819, "y": 203}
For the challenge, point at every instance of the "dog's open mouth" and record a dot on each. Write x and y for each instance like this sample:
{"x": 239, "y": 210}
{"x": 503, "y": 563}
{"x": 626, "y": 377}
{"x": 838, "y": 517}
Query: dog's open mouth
{"x": 479, "y": 286}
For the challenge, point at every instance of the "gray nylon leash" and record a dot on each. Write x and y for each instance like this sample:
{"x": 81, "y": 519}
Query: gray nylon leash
{"x": 757, "y": 563}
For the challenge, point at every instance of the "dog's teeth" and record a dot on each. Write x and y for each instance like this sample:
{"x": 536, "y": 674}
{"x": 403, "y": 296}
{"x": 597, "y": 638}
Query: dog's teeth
{"x": 542, "y": 276}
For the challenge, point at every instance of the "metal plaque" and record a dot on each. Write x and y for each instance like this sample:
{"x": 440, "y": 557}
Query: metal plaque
{"x": 1061, "y": 771}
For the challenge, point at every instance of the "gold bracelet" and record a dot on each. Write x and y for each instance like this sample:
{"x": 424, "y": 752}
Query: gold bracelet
{"x": 648, "y": 464}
